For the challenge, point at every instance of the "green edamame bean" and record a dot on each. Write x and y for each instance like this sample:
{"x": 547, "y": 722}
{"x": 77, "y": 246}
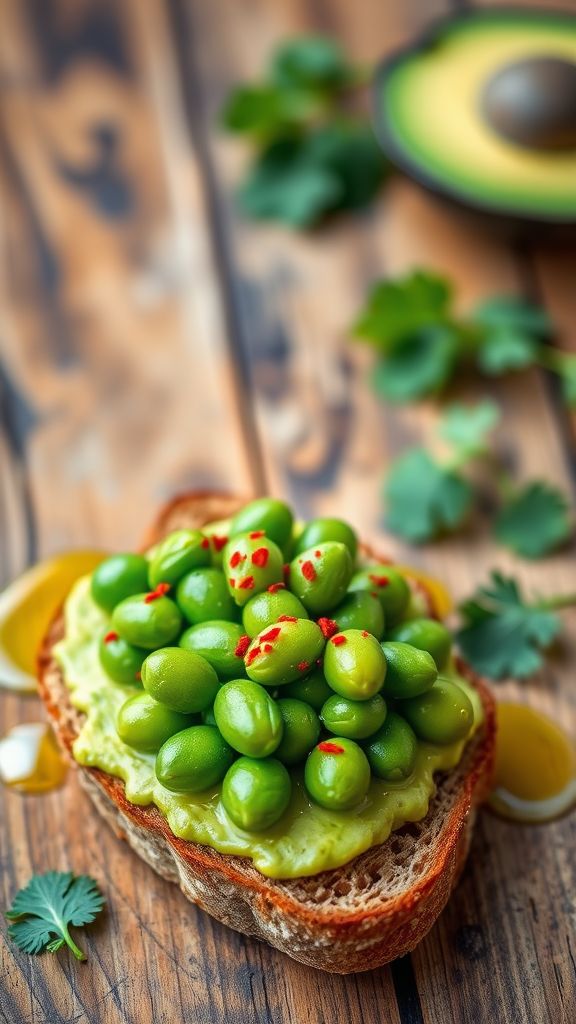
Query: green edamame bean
{"x": 317, "y": 531}
{"x": 217, "y": 534}
{"x": 355, "y": 719}
{"x": 179, "y": 553}
{"x": 388, "y": 586}
{"x": 312, "y": 689}
{"x": 147, "y": 620}
{"x": 360, "y": 610}
{"x": 145, "y": 724}
{"x": 255, "y": 794}
{"x": 284, "y": 652}
{"x": 266, "y": 608}
{"x": 320, "y": 576}
{"x": 337, "y": 774}
{"x": 301, "y": 731}
{"x": 182, "y": 680}
{"x": 354, "y": 664}
{"x": 252, "y": 563}
{"x": 202, "y": 596}
{"x": 427, "y": 635}
{"x": 120, "y": 660}
{"x": 443, "y": 714}
{"x": 392, "y": 751}
{"x": 248, "y": 718}
{"x": 218, "y": 642}
{"x": 267, "y": 514}
{"x": 410, "y": 671}
{"x": 118, "y": 577}
{"x": 193, "y": 760}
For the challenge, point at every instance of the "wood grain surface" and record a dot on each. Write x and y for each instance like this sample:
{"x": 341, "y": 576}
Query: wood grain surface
{"x": 150, "y": 341}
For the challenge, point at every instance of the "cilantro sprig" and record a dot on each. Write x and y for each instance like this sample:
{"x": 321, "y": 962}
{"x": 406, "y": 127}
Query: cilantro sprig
{"x": 43, "y": 911}
{"x": 312, "y": 155}
{"x": 423, "y": 343}
{"x": 427, "y": 497}
{"x": 504, "y": 633}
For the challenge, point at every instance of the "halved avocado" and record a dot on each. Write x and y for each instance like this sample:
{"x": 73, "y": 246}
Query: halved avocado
{"x": 483, "y": 109}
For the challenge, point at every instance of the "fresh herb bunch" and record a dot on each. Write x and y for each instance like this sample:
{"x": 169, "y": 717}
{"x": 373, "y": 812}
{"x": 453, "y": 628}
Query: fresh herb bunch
{"x": 312, "y": 156}
{"x": 426, "y": 497}
{"x": 45, "y": 908}
{"x": 504, "y": 633}
{"x": 423, "y": 344}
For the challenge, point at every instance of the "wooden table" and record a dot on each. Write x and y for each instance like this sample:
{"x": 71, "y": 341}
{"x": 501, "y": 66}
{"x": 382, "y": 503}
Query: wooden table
{"x": 152, "y": 341}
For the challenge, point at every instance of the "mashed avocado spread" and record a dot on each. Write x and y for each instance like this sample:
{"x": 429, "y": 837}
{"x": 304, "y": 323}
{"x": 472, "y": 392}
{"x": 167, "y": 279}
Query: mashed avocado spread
{"x": 307, "y": 839}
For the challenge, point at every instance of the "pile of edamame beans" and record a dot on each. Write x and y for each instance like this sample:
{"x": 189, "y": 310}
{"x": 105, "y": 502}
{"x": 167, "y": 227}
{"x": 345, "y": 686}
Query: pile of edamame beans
{"x": 271, "y": 651}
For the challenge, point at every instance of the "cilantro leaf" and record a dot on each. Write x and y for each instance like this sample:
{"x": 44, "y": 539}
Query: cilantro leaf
{"x": 311, "y": 62}
{"x": 265, "y": 110}
{"x": 535, "y": 521}
{"x": 467, "y": 427}
{"x": 503, "y": 634}
{"x": 565, "y": 364}
{"x": 420, "y": 364}
{"x": 349, "y": 150}
{"x": 423, "y": 498}
{"x": 284, "y": 184}
{"x": 395, "y": 309}
{"x": 505, "y": 349}
{"x": 43, "y": 910}
{"x": 514, "y": 314}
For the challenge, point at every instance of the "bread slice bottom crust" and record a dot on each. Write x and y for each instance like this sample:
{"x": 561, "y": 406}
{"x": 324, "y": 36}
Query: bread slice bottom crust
{"x": 354, "y": 918}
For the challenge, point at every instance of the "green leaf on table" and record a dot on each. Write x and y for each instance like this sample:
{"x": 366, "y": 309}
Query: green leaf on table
{"x": 565, "y": 365}
{"x": 285, "y": 184}
{"x": 398, "y": 308}
{"x": 505, "y": 349}
{"x": 265, "y": 110}
{"x": 423, "y": 498}
{"x": 467, "y": 427}
{"x": 349, "y": 150}
{"x": 503, "y": 634}
{"x": 44, "y": 909}
{"x": 535, "y": 521}
{"x": 310, "y": 62}
{"x": 514, "y": 314}
{"x": 421, "y": 364}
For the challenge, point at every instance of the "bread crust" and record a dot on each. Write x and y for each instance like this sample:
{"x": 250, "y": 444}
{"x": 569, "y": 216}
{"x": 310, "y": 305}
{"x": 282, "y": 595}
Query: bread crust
{"x": 355, "y": 918}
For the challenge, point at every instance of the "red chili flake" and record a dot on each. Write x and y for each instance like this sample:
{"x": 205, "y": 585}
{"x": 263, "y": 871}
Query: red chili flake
{"x": 137, "y": 675}
{"x": 275, "y": 587}
{"x": 287, "y": 618}
{"x": 219, "y": 542}
{"x": 379, "y": 581}
{"x": 286, "y": 572}
{"x": 318, "y": 553}
{"x": 260, "y": 557}
{"x": 268, "y": 648}
{"x": 163, "y": 588}
{"x": 110, "y": 637}
{"x": 242, "y": 646}
{"x": 308, "y": 571}
{"x": 232, "y": 582}
{"x": 328, "y": 626}
{"x": 272, "y": 634}
{"x": 338, "y": 640}
{"x": 330, "y": 748}
{"x": 246, "y": 583}
{"x": 257, "y": 533}
{"x": 236, "y": 558}
{"x": 365, "y": 632}
{"x": 205, "y": 543}
{"x": 252, "y": 655}
{"x": 303, "y": 666}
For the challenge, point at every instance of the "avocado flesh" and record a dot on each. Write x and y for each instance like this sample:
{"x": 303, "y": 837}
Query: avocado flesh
{"x": 430, "y": 118}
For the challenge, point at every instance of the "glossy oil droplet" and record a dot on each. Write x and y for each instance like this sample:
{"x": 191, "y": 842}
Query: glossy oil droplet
{"x": 30, "y": 760}
{"x": 535, "y": 773}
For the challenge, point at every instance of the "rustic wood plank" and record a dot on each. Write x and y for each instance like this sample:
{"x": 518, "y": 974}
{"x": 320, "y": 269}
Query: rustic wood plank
{"x": 506, "y": 934}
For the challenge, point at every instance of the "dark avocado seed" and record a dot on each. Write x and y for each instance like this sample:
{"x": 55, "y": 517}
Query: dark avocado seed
{"x": 533, "y": 103}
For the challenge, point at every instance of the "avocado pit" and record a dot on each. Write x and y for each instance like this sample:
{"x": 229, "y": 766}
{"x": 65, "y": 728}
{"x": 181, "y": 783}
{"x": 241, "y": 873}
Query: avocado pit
{"x": 533, "y": 103}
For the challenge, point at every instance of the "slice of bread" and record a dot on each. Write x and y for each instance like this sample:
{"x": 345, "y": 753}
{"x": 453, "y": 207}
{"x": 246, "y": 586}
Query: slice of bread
{"x": 354, "y": 918}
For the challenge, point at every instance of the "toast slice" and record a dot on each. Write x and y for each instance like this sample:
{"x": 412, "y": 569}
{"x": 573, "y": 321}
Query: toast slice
{"x": 355, "y": 918}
